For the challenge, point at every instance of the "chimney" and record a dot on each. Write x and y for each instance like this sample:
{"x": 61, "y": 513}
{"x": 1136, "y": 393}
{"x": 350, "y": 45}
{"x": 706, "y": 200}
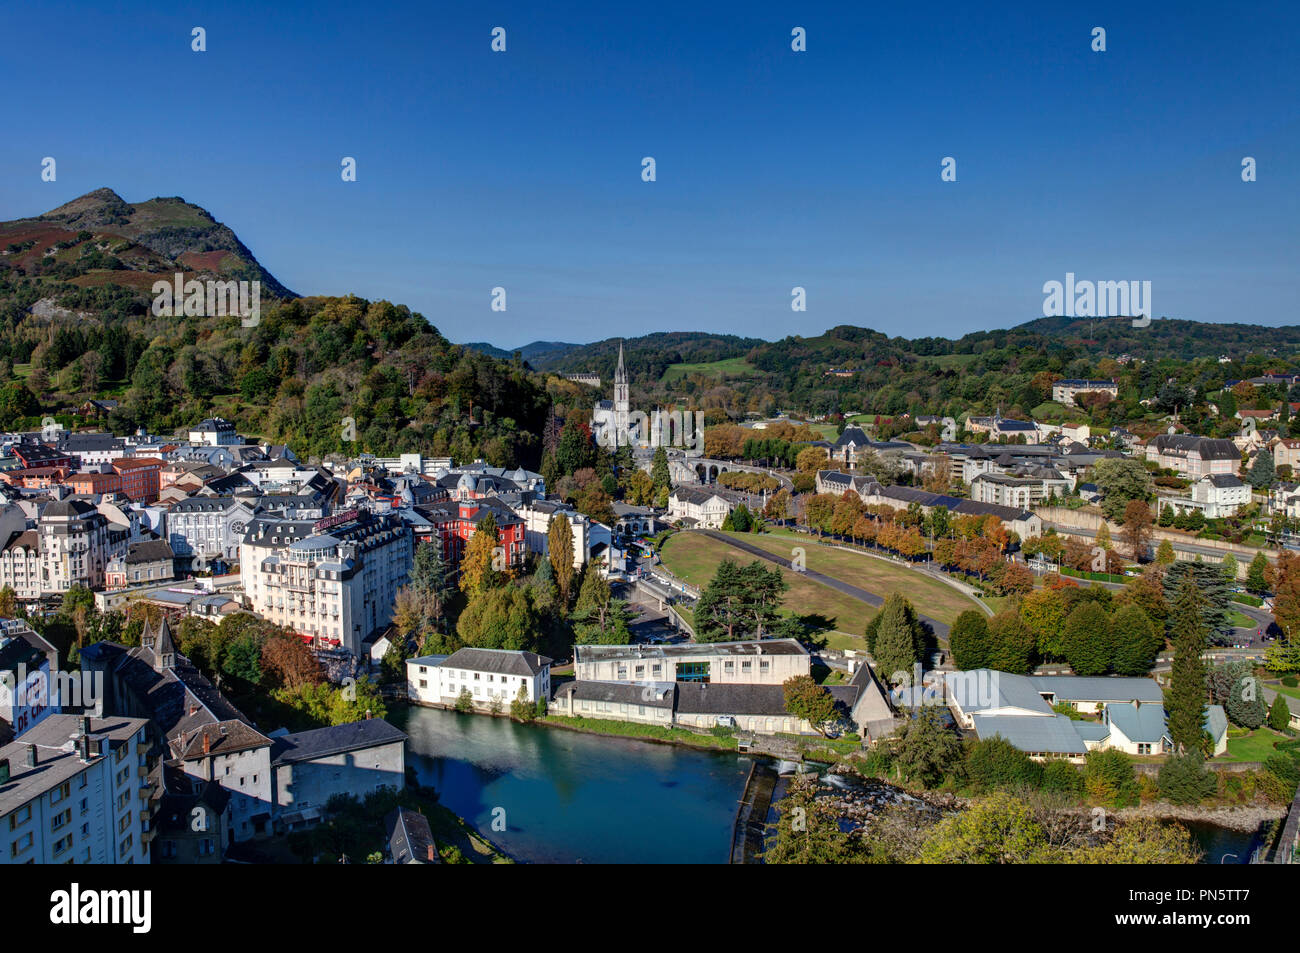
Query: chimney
{"x": 31, "y": 756}
{"x": 367, "y": 714}
{"x": 84, "y": 724}
{"x": 433, "y": 858}
{"x": 83, "y": 744}
{"x": 207, "y": 743}
{"x": 4, "y": 771}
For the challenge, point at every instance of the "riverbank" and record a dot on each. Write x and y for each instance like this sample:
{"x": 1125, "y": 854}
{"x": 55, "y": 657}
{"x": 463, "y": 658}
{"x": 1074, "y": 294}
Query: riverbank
{"x": 781, "y": 747}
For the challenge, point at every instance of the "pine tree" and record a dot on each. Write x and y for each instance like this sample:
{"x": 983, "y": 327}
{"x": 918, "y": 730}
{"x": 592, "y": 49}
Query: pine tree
{"x": 1279, "y": 716}
{"x": 1185, "y": 701}
{"x": 1262, "y": 472}
{"x": 659, "y": 470}
{"x": 895, "y": 649}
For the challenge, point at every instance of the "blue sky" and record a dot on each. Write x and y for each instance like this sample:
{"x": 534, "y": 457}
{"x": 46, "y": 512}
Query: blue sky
{"x": 819, "y": 169}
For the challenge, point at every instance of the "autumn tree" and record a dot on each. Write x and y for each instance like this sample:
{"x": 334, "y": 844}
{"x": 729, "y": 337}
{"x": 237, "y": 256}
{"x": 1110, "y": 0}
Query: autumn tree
{"x": 1137, "y": 528}
{"x": 805, "y": 699}
{"x": 559, "y": 545}
{"x": 478, "y": 567}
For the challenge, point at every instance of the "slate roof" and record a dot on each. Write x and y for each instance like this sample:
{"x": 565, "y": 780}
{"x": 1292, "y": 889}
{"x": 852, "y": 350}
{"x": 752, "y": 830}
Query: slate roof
{"x": 1140, "y": 723}
{"x": 410, "y": 839}
{"x": 981, "y": 689}
{"x": 500, "y": 661}
{"x": 57, "y": 760}
{"x": 322, "y": 742}
{"x": 1100, "y": 688}
{"x": 223, "y": 737}
{"x": 1055, "y": 734}
{"x": 650, "y": 694}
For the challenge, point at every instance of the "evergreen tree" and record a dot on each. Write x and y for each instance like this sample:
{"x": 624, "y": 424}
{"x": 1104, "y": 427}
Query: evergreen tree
{"x": 1215, "y": 595}
{"x": 659, "y": 470}
{"x": 1279, "y": 716}
{"x": 896, "y": 649}
{"x": 1134, "y": 640}
{"x": 1262, "y": 472}
{"x": 968, "y": 639}
{"x": 1185, "y": 701}
{"x": 1087, "y": 639}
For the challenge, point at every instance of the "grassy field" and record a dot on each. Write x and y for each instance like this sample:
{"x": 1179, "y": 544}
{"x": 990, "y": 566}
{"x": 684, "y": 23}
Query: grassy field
{"x": 731, "y": 367}
{"x": 1286, "y": 690}
{"x": 694, "y": 557}
{"x": 1256, "y": 745}
{"x": 878, "y": 576}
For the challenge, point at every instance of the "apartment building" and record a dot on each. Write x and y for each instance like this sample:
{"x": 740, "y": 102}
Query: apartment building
{"x": 1194, "y": 457}
{"x": 74, "y": 545}
{"x": 334, "y": 580}
{"x": 140, "y": 477}
{"x": 73, "y": 790}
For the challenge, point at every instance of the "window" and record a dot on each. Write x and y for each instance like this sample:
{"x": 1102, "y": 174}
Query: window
{"x": 20, "y": 845}
{"x": 20, "y": 816}
{"x": 59, "y": 793}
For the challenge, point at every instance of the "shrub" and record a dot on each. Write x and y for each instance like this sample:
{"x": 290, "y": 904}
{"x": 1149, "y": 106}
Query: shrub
{"x": 1184, "y": 780}
{"x": 1109, "y": 778}
{"x": 1062, "y": 777}
{"x": 996, "y": 763}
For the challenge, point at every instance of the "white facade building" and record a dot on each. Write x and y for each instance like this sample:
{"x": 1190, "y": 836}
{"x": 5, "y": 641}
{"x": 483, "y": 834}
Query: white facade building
{"x": 335, "y": 579}
{"x": 492, "y": 676}
{"x": 72, "y": 789}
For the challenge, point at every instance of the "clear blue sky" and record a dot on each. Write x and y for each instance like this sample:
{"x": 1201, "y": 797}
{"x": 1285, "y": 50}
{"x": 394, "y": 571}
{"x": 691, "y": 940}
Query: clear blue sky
{"x": 775, "y": 168}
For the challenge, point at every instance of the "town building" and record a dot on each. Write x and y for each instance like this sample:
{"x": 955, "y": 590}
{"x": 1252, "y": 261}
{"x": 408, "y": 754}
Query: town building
{"x": 215, "y": 432}
{"x": 1193, "y": 457}
{"x": 72, "y": 791}
{"x": 74, "y": 544}
{"x": 333, "y": 580}
{"x": 700, "y": 507}
{"x": 1065, "y": 391}
{"x": 750, "y": 662}
{"x": 150, "y": 560}
{"x": 491, "y": 676}
{"x": 1215, "y": 495}
{"x": 310, "y": 767}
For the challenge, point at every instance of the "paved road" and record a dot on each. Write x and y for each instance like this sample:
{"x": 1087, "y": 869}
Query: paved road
{"x": 940, "y": 629}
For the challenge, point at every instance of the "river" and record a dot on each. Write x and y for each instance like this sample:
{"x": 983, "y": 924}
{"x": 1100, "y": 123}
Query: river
{"x": 571, "y": 797}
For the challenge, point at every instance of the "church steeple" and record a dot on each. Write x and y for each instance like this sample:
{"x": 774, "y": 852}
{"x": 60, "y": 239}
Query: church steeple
{"x": 622, "y": 399}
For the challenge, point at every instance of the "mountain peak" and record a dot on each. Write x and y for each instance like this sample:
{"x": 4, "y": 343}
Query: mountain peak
{"x": 98, "y": 200}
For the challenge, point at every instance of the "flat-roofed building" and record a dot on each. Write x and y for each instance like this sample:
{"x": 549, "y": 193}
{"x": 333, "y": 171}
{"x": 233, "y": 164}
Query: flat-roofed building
{"x": 752, "y": 662}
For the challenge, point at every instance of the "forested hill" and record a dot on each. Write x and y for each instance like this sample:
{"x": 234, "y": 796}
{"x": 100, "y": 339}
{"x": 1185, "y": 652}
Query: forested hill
{"x": 76, "y": 324}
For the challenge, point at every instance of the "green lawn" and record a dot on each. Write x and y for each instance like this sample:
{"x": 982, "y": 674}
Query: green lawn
{"x": 1256, "y": 745}
{"x": 1285, "y": 689}
{"x": 878, "y": 576}
{"x": 731, "y": 367}
{"x": 695, "y": 557}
